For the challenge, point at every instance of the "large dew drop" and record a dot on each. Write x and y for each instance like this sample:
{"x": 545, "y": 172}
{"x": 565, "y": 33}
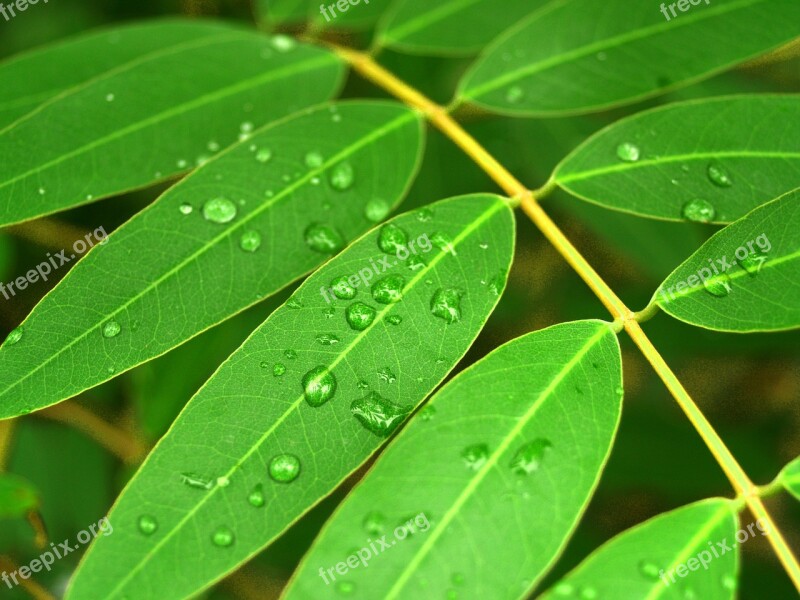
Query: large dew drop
{"x": 376, "y": 210}
{"x": 223, "y": 537}
{"x": 342, "y": 288}
{"x": 529, "y": 458}
{"x": 475, "y": 456}
{"x": 319, "y": 386}
{"x": 284, "y": 468}
{"x": 359, "y": 316}
{"x": 342, "y": 176}
{"x": 111, "y": 329}
{"x": 13, "y": 337}
{"x": 392, "y": 237}
{"x": 753, "y": 263}
{"x": 147, "y": 525}
{"x": 377, "y": 414}
{"x": 719, "y": 286}
{"x": 699, "y": 211}
{"x": 719, "y": 176}
{"x": 628, "y": 152}
{"x": 324, "y": 239}
{"x": 446, "y": 304}
{"x": 219, "y": 210}
{"x": 389, "y": 289}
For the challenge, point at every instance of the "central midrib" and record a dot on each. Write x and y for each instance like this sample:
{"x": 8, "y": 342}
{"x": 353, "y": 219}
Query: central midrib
{"x": 489, "y": 213}
{"x": 373, "y": 135}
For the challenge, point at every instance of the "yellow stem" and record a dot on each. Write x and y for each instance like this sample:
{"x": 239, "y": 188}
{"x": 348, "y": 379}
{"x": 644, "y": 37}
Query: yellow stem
{"x": 115, "y": 440}
{"x": 6, "y": 433}
{"x": 34, "y": 589}
{"x": 49, "y": 233}
{"x": 623, "y": 316}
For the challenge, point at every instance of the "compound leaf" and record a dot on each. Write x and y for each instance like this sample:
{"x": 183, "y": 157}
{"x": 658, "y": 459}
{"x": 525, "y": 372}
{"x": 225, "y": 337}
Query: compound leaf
{"x": 504, "y": 458}
{"x": 729, "y": 154}
{"x": 745, "y": 278}
{"x": 239, "y": 228}
{"x": 691, "y": 551}
{"x": 153, "y": 117}
{"x": 577, "y": 56}
{"x": 306, "y": 400}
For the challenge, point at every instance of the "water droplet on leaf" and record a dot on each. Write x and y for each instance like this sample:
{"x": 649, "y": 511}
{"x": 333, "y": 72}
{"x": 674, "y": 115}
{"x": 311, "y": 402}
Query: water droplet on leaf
{"x": 219, "y": 210}
{"x": 278, "y": 369}
{"x": 284, "y": 468}
{"x": 376, "y": 210}
{"x": 718, "y": 286}
{"x": 341, "y": 177}
{"x": 698, "y": 211}
{"x": 359, "y": 316}
{"x": 389, "y": 289}
{"x": 319, "y": 386}
{"x": 628, "y": 152}
{"x": 719, "y": 176}
{"x": 342, "y": 288}
{"x": 327, "y": 339}
{"x": 264, "y": 155}
{"x": 250, "y": 241}
{"x": 223, "y": 537}
{"x": 256, "y": 497}
{"x": 147, "y": 525}
{"x": 13, "y": 337}
{"x": 475, "y": 456}
{"x": 529, "y": 458}
{"x": 324, "y": 239}
{"x": 377, "y": 414}
{"x": 391, "y": 237}
{"x": 446, "y": 304}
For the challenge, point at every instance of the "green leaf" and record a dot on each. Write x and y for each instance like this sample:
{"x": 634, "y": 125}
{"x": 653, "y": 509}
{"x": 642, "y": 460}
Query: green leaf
{"x": 33, "y": 78}
{"x": 165, "y": 276}
{"x": 746, "y": 277}
{"x": 690, "y": 552}
{"x": 733, "y": 153}
{"x": 790, "y": 477}
{"x": 146, "y": 120}
{"x": 504, "y": 458}
{"x": 323, "y": 14}
{"x": 449, "y": 27}
{"x": 581, "y": 55}
{"x": 17, "y": 497}
{"x": 253, "y": 409}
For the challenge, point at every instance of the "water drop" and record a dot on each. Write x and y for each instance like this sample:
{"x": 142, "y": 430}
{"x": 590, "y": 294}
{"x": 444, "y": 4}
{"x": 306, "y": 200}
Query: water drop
{"x": 443, "y": 242}
{"x": 514, "y": 94}
{"x": 256, "y": 497}
{"x": 345, "y": 588}
{"x": 324, "y": 239}
{"x": 282, "y": 43}
{"x": 475, "y": 456}
{"x": 719, "y": 176}
{"x": 394, "y": 319}
{"x": 564, "y": 589}
{"x": 42, "y": 191}
{"x": 416, "y": 262}
{"x": 718, "y": 286}
{"x": 213, "y": 146}
{"x": 111, "y": 329}
{"x": 110, "y": 97}
{"x": 446, "y": 304}
{"x": 314, "y": 160}
{"x": 699, "y": 211}
{"x": 649, "y": 570}
{"x": 729, "y": 582}
{"x": 284, "y": 468}
{"x": 219, "y": 210}
{"x": 13, "y": 337}
{"x": 290, "y": 354}
{"x": 329, "y": 312}
{"x": 588, "y": 593}
{"x": 327, "y": 339}
{"x": 753, "y": 263}
{"x": 196, "y": 481}
{"x": 497, "y": 284}
{"x": 362, "y": 385}
{"x": 342, "y": 288}
{"x": 359, "y": 316}
{"x": 186, "y": 208}
{"x": 392, "y": 237}
{"x": 628, "y": 152}
{"x": 278, "y": 369}
{"x": 264, "y": 155}
{"x": 246, "y": 127}
{"x": 386, "y": 375}
{"x": 389, "y": 289}
{"x": 376, "y": 210}
{"x": 374, "y": 524}
{"x": 428, "y": 413}
{"x": 223, "y": 482}
{"x": 377, "y": 414}
{"x": 223, "y": 537}
{"x": 424, "y": 215}
{"x": 341, "y": 177}
{"x": 319, "y": 386}
{"x": 250, "y": 241}
{"x": 147, "y": 525}
{"x": 529, "y": 458}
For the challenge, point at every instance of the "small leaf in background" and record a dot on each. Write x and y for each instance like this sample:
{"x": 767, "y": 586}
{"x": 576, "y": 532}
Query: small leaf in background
{"x": 306, "y": 400}
{"x": 504, "y": 458}
{"x": 17, "y": 497}
{"x": 450, "y": 27}
{"x": 790, "y": 477}
{"x": 583, "y": 55}
{"x": 153, "y": 117}
{"x": 691, "y": 552}
{"x": 29, "y": 80}
{"x": 746, "y": 277}
{"x": 238, "y": 229}
{"x": 708, "y": 161}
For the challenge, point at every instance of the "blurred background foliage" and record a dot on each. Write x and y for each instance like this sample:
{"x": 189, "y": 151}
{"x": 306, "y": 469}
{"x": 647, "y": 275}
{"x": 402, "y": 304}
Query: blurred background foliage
{"x": 79, "y": 455}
